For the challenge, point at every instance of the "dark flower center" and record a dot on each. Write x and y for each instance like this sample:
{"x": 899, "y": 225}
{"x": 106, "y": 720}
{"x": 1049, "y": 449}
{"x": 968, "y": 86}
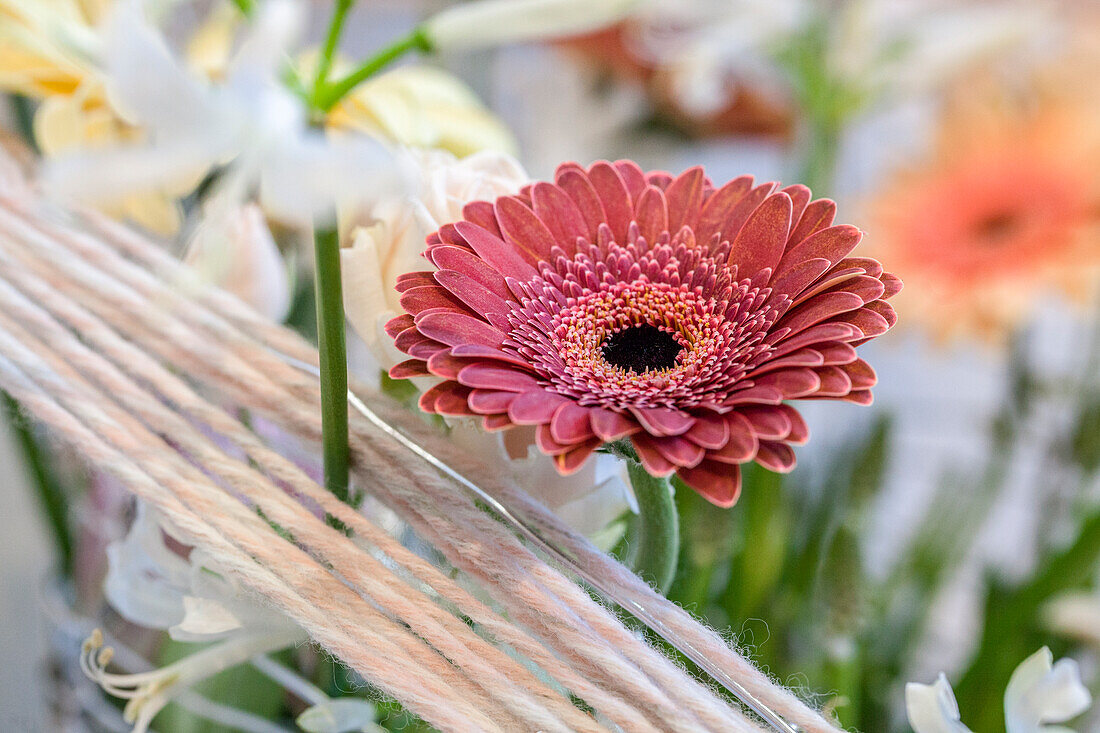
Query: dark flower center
{"x": 642, "y": 348}
{"x": 998, "y": 226}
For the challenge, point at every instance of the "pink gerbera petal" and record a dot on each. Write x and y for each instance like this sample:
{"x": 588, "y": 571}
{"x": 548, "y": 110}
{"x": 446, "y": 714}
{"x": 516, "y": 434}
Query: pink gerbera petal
{"x": 614, "y": 304}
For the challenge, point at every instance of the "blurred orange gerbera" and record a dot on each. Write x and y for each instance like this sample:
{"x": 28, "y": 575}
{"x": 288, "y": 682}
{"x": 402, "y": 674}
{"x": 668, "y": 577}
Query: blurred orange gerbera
{"x": 1005, "y": 211}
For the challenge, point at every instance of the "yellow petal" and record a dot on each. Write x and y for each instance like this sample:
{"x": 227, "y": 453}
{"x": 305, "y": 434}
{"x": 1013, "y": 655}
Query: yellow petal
{"x": 210, "y": 47}
{"x": 424, "y": 107}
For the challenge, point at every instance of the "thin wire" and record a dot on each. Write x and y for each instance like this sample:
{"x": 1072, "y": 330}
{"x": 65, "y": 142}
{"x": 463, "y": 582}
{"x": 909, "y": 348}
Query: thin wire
{"x": 776, "y": 721}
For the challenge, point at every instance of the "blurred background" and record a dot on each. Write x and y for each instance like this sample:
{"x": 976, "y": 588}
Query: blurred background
{"x": 955, "y": 524}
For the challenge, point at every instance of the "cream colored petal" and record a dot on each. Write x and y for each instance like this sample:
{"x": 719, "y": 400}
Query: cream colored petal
{"x": 306, "y": 180}
{"x": 147, "y": 84}
{"x": 932, "y": 708}
{"x": 364, "y": 289}
{"x": 420, "y": 106}
{"x": 1076, "y": 615}
{"x": 145, "y": 580}
{"x": 236, "y": 251}
{"x": 112, "y": 174}
{"x": 154, "y": 211}
{"x": 1041, "y": 691}
{"x": 203, "y": 619}
{"x": 210, "y": 48}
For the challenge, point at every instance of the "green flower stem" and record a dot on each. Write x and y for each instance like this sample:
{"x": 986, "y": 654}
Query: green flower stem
{"x": 332, "y": 39}
{"x": 45, "y": 482}
{"x": 334, "y": 361}
{"x": 247, "y": 7}
{"x": 329, "y": 286}
{"x": 822, "y": 153}
{"x": 326, "y": 96}
{"x": 655, "y": 533}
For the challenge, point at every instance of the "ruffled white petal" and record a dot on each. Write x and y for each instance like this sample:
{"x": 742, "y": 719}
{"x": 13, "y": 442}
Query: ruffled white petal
{"x": 932, "y": 708}
{"x": 145, "y": 579}
{"x": 1041, "y": 692}
{"x": 146, "y": 83}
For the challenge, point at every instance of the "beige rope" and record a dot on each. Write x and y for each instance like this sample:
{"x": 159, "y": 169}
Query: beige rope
{"x": 494, "y": 671}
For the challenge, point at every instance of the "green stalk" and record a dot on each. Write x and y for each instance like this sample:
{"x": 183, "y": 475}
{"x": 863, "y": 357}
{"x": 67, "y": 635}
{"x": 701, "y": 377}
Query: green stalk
{"x": 332, "y": 39}
{"x": 328, "y": 283}
{"x": 334, "y": 361}
{"x": 23, "y": 108}
{"x": 655, "y": 533}
{"x": 822, "y": 151}
{"x": 49, "y": 490}
{"x": 326, "y": 96}
{"x": 247, "y": 7}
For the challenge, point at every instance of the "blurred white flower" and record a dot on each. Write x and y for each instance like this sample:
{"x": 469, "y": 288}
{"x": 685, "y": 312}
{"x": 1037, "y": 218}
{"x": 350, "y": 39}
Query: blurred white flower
{"x": 235, "y": 251}
{"x": 905, "y": 48}
{"x": 1076, "y": 615}
{"x": 893, "y": 47}
{"x": 1039, "y": 692}
{"x": 151, "y": 584}
{"x": 250, "y": 122}
{"x": 932, "y": 708}
{"x": 496, "y": 22}
{"x": 588, "y": 499}
{"x": 390, "y": 236}
{"x": 1042, "y": 691}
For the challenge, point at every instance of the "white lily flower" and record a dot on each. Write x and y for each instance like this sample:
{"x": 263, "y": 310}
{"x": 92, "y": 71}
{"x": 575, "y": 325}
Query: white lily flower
{"x": 249, "y": 122}
{"x": 1041, "y": 692}
{"x": 152, "y": 585}
{"x": 932, "y": 708}
{"x": 496, "y": 22}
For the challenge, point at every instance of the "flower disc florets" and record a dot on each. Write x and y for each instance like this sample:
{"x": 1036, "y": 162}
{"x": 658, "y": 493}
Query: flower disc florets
{"x": 616, "y": 304}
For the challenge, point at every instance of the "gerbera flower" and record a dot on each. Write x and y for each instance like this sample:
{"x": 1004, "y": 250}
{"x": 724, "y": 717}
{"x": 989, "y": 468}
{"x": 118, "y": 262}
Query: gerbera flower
{"x": 617, "y": 305}
{"x": 1017, "y": 204}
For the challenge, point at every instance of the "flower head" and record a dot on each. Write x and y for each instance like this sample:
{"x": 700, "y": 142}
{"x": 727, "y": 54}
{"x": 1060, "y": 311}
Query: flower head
{"x": 614, "y": 304}
{"x": 248, "y": 122}
{"x": 1017, "y": 210}
{"x": 150, "y": 584}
